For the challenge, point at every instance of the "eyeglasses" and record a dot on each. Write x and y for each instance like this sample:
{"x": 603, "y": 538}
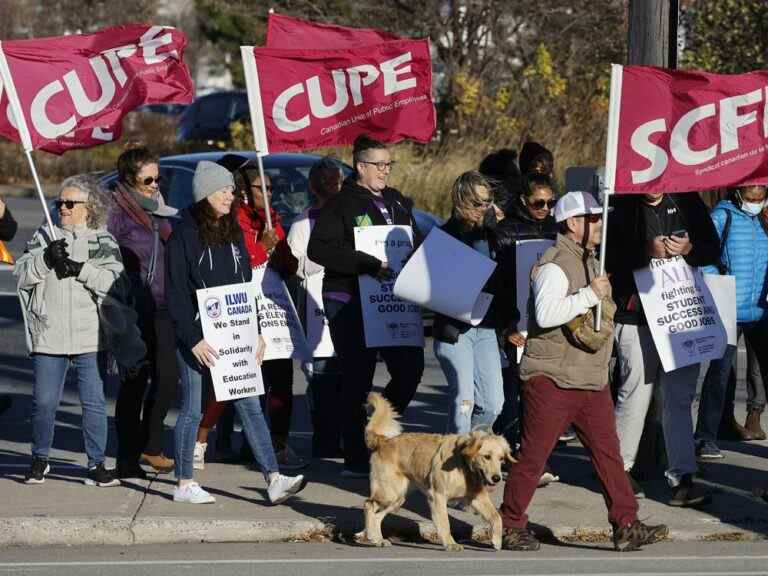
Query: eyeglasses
{"x": 481, "y": 203}
{"x": 593, "y": 218}
{"x": 381, "y": 166}
{"x": 70, "y": 204}
{"x": 149, "y": 180}
{"x": 541, "y": 204}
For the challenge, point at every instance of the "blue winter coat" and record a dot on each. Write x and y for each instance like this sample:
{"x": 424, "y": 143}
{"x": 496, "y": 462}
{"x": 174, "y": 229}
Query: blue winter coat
{"x": 746, "y": 256}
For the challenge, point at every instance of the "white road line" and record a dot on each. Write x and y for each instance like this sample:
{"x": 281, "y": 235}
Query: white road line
{"x": 389, "y": 560}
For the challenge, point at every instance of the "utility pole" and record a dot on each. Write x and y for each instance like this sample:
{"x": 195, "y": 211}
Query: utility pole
{"x": 652, "y": 41}
{"x": 653, "y": 33}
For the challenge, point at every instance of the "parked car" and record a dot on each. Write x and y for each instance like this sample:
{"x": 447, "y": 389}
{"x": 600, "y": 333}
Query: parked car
{"x": 289, "y": 174}
{"x": 208, "y": 117}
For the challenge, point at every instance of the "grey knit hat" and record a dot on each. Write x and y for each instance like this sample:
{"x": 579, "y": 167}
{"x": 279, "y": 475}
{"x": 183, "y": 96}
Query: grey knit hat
{"x": 210, "y": 177}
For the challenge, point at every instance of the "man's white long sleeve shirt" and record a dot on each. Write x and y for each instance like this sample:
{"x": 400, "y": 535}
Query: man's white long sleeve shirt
{"x": 553, "y": 306}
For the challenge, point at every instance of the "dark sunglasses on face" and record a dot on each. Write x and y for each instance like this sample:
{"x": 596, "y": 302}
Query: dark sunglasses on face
{"x": 70, "y": 204}
{"x": 593, "y": 218}
{"x": 541, "y": 204}
{"x": 149, "y": 180}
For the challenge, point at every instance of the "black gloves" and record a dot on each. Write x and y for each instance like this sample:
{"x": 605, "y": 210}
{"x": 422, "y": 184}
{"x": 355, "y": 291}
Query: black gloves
{"x": 55, "y": 252}
{"x": 66, "y": 268}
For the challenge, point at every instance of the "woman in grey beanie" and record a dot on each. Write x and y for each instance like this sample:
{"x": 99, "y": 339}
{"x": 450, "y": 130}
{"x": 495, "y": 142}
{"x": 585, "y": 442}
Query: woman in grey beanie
{"x": 206, "y": 250}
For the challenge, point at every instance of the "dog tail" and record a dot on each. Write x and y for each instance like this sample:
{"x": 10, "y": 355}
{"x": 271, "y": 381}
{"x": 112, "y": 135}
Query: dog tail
{"x": 382, "y": 424}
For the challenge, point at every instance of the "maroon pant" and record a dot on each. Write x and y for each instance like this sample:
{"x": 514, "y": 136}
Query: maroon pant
{"x": 548, "y": 411}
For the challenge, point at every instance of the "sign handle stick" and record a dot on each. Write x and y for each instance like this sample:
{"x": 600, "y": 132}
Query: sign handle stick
{"x": 40, "y": 194}
{"x": 264, "y": 190}
{"x": 611, "y": 151}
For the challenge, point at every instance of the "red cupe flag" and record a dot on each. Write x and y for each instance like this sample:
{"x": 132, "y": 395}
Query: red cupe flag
{"x": 73, "y": 91}
{"x": 682, "y": 131}
{"x": 312, "y": 98}
{"x": 292, "y": 33}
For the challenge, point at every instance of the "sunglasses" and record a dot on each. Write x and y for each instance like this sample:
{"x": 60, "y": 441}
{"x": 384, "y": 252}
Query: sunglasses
{"x": 70, "y": 204}
{"x": 149, "y": 180}
{"x": 541, "y": 204}
{"x": 593, "y": 218}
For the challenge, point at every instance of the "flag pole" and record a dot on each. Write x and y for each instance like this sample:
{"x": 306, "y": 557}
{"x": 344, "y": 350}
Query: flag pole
{"x": 611, "y": 151}
{"x": 24, "y": 135}
{"x": 257, "y": 120}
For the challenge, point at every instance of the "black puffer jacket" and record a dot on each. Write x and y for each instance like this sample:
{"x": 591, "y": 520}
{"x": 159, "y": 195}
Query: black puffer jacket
{"x": 518, "y": 225}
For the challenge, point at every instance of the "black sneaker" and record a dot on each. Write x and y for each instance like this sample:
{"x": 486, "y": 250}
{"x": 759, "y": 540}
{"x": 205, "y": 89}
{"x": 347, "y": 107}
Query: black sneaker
{"x": 636, "y": 487}
{"x": 37, "y": 472}
{"x": 688, "y": 494}
{"x": 632, "y": 536}
{"x": 519, "y": 540}
{"x": 132, "y": 470}
{"x": 101, "y": 477}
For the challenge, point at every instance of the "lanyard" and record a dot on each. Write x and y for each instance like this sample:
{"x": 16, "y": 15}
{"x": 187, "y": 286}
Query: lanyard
{"x": 384, "y": 212}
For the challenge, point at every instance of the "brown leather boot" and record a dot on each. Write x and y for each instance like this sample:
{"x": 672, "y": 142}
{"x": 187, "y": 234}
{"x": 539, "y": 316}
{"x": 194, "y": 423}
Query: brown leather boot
{"x": 752, "y": 424}
{"x": 732, "y": 430}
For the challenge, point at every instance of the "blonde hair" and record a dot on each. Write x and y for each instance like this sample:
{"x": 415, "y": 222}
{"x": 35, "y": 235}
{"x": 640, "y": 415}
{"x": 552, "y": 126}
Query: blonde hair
{"x": 466, "y": 199}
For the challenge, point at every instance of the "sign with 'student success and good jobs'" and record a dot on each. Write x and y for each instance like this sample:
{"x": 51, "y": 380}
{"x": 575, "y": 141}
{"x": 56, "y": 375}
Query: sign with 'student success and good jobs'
{"x": 681, "y": 313}
{"x": 230, "y": 325}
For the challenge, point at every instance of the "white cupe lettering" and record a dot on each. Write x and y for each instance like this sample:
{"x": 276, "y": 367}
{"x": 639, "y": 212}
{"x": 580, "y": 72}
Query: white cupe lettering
{"x": 346, "y": 82}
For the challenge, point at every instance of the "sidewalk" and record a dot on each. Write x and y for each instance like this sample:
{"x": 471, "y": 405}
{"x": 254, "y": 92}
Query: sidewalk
{"x": 65, "y": 511}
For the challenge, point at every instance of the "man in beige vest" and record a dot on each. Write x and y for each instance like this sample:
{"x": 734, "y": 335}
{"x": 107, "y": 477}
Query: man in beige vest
{"x": 565, "y": 374}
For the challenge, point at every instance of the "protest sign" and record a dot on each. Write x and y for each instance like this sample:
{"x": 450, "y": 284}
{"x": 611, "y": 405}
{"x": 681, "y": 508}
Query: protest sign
{"x": 685, "y": 130}
{"x": 318, "y": 332}
{"x": 527, "y": 253}
{"x": 681, "y": 313}
{"x": 303, "y": 98}
{"x": 230, "y": 326}
{"x": 73, "y": 91}
{"x": 430, "y": 279}
{"x": 279, "y": 321}
{"x": 723, "y": 290}
{"x": 387, "y": 319}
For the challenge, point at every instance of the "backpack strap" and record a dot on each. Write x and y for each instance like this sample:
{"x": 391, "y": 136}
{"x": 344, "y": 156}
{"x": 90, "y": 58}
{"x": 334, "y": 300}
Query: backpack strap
{"x": 722, "y": 267}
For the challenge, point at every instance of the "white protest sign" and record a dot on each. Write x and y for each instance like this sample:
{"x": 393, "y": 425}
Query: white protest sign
{"x": 723, "y": 290}
{"x": 318, "y": 332}
{"x": 447, "y": 276}
{"x": 527, "y": 253}
{"x": 387, "y": 319}
{"x": 280, "y": 324}
{"x": 681, "y": 313}
{"x": 230, "y": 326}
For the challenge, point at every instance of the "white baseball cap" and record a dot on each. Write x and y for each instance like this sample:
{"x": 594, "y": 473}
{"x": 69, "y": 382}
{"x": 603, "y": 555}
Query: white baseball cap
{"x": 576, "y": 204}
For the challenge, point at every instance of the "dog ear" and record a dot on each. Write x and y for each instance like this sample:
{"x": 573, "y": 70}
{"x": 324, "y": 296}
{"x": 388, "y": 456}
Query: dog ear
{"x": 508, "y": 455}
{"x": 469, "y": 444}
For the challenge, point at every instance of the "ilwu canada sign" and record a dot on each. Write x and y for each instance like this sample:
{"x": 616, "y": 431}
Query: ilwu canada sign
{"x": 231, "y": 326}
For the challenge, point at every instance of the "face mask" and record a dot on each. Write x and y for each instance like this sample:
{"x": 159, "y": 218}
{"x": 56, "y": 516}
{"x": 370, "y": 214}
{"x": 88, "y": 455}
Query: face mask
{"x": 752, "y": 208}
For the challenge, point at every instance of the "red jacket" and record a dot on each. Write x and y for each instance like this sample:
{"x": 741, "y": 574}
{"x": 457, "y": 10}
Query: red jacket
{"x": 253, "y": 222}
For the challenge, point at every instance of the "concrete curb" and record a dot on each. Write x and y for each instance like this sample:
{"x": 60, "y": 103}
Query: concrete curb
{"x": 39, "y": 531}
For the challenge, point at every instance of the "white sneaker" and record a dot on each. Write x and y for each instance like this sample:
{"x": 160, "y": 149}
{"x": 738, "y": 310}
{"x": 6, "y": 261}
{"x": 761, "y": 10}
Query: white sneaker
{"x": 192, "y": 493}
{"x": 198, "y": 459}
{"x": 283, "y": 487}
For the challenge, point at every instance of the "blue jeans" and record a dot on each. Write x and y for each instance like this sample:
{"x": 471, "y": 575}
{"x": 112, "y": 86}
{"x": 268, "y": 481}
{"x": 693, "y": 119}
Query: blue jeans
{"x": 50, "y": 375}
{"x": 252, "y": 419}
{"x": 472, "y": 367}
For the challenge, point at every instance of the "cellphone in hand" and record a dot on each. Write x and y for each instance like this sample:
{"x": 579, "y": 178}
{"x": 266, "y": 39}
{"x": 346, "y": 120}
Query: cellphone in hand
{"x": 682, "y": 233}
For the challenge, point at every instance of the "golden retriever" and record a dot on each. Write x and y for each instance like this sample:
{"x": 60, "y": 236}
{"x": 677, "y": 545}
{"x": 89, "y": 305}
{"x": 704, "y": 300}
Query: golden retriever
{"x": 444, "y": 467}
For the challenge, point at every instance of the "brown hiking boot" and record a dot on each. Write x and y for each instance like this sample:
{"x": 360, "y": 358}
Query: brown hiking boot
{"x": 752, "y": 424}
{"x": 159, "y": 462}
{"x": 732, "y": 430}
{"x": 519, "y": 540}
{"x": 632, "y": 536}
